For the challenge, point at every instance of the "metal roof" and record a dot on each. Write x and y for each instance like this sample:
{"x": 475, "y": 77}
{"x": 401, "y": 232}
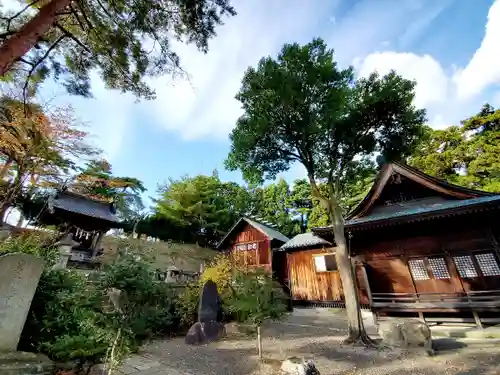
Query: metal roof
{"x": 433, "y": 183}
{"x": 82, "y": 205}
{"x": 268, "y": 231}
{"x": 304, "y": 240}
{"x": 435, "y": 209}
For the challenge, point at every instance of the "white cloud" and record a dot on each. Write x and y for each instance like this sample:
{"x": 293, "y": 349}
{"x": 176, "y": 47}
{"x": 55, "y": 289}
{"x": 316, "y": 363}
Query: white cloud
{"x": 484, "y": 67}
{"x": 448, "y": 97}
{"x": 432, "y": 84}
{"x": 205, "y": 106}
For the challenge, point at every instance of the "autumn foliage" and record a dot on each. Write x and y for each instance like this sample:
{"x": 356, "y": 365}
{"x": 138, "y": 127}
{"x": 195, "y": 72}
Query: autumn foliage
{"x": 37, "y": 148}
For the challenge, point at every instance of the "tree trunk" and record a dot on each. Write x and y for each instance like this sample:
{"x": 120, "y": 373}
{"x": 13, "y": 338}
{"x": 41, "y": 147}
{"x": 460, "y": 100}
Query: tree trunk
{"x": 30, "y": 33}
{"x": 259, "y": 342}
{"x": 356, "y": 328}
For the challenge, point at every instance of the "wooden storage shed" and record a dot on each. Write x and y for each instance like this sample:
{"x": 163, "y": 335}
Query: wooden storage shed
{"x": 250, "y": 243}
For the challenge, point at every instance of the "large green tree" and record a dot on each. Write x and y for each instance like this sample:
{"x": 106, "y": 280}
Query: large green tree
{"x": 125, "y": 41}
{"x": 301, "y": 107}
{"x": 203, "y": 205}
{"x": 467, "y": 154}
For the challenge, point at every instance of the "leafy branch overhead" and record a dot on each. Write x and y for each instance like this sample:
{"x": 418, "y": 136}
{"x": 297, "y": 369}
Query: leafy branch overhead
{"x": 302, "y": 108}
{"x": 125, "y": 41}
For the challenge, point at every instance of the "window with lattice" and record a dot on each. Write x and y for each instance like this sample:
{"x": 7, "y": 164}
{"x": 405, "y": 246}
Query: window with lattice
{"x": 465, "y": 266}
{"x": 488, "y": 264}
{"x": 418, "y": 269}
{"x": 439, "y": 268}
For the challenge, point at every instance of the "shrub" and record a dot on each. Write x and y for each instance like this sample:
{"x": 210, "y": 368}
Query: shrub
{"x": 220, "y": 271}
{"x": 39, "y": 244}
{"x": 65, "y": 320}
{"x": 149, "y": 305}
{"x": 71, "y": 318}
{"x": 257, "y": 299}
{"x": 187, "y": 305}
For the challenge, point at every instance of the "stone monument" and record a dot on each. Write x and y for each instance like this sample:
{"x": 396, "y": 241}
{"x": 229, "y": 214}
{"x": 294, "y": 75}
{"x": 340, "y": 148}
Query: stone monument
{"x": 19, "y": 276}
{"x": 208, "y": 327}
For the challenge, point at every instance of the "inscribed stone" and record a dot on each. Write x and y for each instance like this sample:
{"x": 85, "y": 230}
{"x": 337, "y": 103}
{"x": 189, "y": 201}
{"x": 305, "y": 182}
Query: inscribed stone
{"x": 209, "y": 303}
{"x": 19, "y": 276}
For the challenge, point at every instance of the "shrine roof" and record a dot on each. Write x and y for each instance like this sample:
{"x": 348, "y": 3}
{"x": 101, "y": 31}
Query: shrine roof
{"x": 82, "y": 205}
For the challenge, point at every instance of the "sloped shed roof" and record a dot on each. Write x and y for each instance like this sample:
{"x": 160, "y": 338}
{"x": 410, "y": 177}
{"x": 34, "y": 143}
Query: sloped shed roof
{"x": 304, "y": 240}
{"x": 268, "y": 231}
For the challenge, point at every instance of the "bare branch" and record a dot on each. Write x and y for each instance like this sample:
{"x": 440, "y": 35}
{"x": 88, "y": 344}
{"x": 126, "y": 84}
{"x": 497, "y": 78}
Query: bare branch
{"x": 26, "y": 61}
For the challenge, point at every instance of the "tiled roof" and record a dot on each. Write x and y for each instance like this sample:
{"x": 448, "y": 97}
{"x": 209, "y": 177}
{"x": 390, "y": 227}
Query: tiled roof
{"x": 84, "y": 206}
{"x": 304, "y": 240}
{"x": 411, "y": 210}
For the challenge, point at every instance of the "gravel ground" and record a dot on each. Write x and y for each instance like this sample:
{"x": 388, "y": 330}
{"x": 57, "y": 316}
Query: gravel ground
{"x": 312, "y": 337}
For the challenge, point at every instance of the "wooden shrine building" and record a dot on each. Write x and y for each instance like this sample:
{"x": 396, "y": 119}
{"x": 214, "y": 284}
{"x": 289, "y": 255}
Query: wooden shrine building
{"x": 251, "y": 243}
{"x": 420, "y": 246}
{"x": 86, "y": 219}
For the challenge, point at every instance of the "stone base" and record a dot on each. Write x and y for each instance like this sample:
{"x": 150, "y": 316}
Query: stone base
{"x": 239, "y": 329}
{"x": 299, "y": 366}
{"x": 407, "y": 334}
{"x": 22, "y": 363}
{"x": 201, "y": 333}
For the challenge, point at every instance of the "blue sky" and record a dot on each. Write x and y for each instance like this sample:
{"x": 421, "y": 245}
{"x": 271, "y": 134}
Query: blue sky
{"x": 448, "y": 46}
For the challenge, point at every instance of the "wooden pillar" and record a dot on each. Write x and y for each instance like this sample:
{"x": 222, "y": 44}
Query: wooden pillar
{"x": 96, "y": 243}
{"x": 494, "y": 242}
{"x": 362, "y": 264}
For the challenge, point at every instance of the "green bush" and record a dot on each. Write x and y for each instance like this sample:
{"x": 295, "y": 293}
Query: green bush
{"x": 65, "y": 320}
{"x": 39, "y": 244}
{"x": 149, "y": 305}
{"x": 187, "y": 305}
{"x": 72, "y": 319}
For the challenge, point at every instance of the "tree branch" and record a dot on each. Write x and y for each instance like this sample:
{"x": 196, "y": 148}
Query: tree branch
{"x": 10, "y": 19}
{"x": 35, "y": 65}
{"x": 84, "y": 15}
{"x": 72, "y": 37}
{"x": 75, "y": 13}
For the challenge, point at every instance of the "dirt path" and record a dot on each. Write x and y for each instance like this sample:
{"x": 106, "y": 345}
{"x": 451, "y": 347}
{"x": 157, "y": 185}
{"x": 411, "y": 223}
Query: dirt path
{"x": 311, "y": 335}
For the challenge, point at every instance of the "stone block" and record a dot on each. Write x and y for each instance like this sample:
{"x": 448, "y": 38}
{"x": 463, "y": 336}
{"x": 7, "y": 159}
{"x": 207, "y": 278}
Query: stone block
{"x": 22, "y": 363}
{"x": 298, "y": 366}
{"x": 410, "y": 333}
{"x": 201, "y": 333}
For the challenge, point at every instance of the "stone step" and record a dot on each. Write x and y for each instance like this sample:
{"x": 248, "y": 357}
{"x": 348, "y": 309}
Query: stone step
{"x": 22, "y": 363}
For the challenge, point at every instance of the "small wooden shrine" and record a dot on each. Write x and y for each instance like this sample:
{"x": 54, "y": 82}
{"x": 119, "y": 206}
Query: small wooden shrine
{"x": 85, "y": 218}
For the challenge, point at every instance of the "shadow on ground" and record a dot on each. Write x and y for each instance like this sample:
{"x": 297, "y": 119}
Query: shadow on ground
{"x": 318, "y": 335}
